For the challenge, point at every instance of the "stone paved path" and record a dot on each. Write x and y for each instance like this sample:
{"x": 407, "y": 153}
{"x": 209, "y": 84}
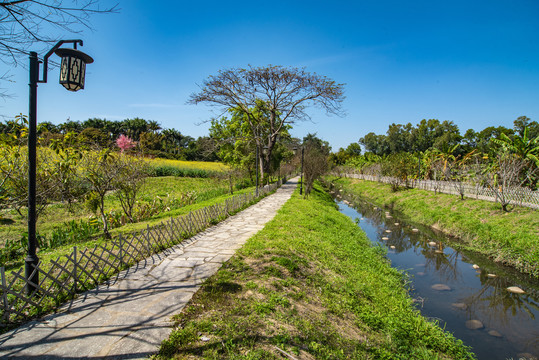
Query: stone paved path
{"x": 129, "y": 319}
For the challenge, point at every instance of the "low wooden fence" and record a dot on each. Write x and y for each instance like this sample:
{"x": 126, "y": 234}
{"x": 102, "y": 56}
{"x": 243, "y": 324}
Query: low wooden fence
{"x": 516, "y": 195}
{"x": 84, "y": 269}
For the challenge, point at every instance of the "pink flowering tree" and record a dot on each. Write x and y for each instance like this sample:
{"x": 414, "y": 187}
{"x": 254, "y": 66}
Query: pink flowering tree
{"x": 125, "y": 143}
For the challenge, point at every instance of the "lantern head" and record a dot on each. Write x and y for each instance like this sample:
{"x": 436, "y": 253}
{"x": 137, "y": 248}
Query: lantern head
{"x": 73, "y": 68}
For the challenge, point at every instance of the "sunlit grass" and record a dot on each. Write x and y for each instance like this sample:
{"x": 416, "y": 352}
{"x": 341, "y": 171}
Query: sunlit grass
{"x": 195, "y": 165}
{"x": 309, "y": 285}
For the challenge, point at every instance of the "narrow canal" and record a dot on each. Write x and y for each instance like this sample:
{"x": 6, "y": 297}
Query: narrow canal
{"x": 466, "y": 293}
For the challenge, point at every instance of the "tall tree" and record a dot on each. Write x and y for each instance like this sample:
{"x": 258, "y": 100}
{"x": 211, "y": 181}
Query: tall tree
{"x": 523, "y": 122}
{"x": 376, "y": 144}
{"x": 284, "y": 93}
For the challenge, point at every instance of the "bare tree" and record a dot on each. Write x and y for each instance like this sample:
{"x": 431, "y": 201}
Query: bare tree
{"x": 283, "y": 93}
{"x": 27, "y": 23}
{"x": 132, "y": 174}
{"x": 101, "y": 171}
{"x": 504, "y": 176}
{"x": 315, "y": 164}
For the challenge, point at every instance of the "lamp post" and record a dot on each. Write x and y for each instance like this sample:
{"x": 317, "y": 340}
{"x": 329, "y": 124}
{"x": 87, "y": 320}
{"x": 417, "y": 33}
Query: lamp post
{"x": 301, "y": 173}
{"x": 301, "y": 179}
{"x": 72, "y": 73}
{"x": 256, "y": 165}
{"x": 265, "y": 175}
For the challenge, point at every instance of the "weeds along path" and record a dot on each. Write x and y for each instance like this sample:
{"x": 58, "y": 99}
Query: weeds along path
{"x": 129, "y": 319}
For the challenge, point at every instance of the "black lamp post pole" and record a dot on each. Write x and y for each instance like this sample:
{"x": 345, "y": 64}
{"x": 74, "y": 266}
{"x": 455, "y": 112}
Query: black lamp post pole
{"x": 301, "y": 181}
{"x": 256, "y": 165}
{"x": 31, "y": 260}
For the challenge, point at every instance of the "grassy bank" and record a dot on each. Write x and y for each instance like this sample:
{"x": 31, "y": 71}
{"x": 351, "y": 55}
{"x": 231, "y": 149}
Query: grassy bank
{"x": 510, "y": 238}
{"x": 309, "y": 286}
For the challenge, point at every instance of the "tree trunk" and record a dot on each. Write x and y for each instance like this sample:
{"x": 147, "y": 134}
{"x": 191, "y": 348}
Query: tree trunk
{"x": 104, "y": 218}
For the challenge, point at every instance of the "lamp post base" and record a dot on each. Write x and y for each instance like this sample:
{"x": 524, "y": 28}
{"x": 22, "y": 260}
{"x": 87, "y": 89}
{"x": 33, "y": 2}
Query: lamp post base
{"x": 31, "y": 273}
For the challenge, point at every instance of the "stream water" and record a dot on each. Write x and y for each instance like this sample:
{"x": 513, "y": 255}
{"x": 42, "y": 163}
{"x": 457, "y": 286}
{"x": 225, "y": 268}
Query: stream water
{"x": 465, "y": 292}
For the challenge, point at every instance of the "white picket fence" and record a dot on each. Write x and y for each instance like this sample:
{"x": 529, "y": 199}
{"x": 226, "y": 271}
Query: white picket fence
{"x": 85, "y": 269}
{"x": 516, "y": 195}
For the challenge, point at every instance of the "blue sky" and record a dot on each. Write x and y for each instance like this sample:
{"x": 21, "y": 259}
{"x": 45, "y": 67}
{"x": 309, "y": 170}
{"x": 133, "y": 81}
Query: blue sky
{"x": 473, "y": 62}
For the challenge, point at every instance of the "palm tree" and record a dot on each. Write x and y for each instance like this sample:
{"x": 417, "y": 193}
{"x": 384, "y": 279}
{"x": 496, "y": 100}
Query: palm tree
{"x": 153, "y": 126}
{"x": 522, "y": 146}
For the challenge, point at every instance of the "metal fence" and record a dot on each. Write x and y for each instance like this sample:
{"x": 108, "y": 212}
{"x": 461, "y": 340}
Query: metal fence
{"x": 514, "y": 195}
{"x": 85, "y": 269}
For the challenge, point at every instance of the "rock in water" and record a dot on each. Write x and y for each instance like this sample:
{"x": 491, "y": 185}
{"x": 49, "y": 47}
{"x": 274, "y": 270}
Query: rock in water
{"x": 460, "y": 306}
{"x": 526, "y": 356}
{"x": 385, "y": 238}
{"x": 475, "y": 266}
{"x": 441, "y": 287}
{"x": 474, "y": 324}
{"x": 491, "y": 275}
{"x": 494, "y": 333}
{"x": 515, "y": 290}
{"x": 432, "y": 243}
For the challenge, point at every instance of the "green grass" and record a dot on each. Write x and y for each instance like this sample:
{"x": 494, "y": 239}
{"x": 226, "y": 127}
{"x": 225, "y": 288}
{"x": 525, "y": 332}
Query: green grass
{"x": 188, "y": 165}
{"x": 309, "y": 285}
{"x": 510, "y": 238}
{"x": 176, "y": 192}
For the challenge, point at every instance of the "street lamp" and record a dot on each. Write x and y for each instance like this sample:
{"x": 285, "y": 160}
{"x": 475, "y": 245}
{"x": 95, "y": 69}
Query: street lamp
{"x": 301, "y": 178}
{"x": 256, "y": 166}
{"x": 72, "y": 73}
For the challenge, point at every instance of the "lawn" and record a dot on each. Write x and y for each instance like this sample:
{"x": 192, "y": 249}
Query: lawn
{"x": 309, "y": 286}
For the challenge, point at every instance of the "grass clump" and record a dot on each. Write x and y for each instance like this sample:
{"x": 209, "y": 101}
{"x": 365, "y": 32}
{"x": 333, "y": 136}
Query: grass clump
{"x": 309, "y": 285}
{"x": 509, "y": 238}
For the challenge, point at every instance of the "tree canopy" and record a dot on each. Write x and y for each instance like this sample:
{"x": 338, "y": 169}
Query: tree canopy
{"x": 270, "y": 98}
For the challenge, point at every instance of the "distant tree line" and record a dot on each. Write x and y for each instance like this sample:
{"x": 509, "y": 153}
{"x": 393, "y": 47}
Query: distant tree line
{"x": 498, "y": 158}
{"x": 444, "y": 136}
{"x": 148, "y": 136}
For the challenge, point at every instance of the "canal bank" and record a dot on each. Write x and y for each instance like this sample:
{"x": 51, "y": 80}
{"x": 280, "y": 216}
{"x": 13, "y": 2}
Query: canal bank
{"x": 508, "y": 238}
{"x": 467, "y": 293}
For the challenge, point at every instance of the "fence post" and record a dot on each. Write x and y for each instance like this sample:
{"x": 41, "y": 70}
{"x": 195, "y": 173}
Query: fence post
{"x": 148, "y": 243}
{"x": 4, "y": 293}
{"x": 120, "y": 244}
{"x": 74, "y": 269}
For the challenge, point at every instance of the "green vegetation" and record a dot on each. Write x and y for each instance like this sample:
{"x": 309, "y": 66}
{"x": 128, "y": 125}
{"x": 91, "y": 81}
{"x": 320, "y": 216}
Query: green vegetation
{"x": 146, "y": 136}
{"x": 499, "y": 160}
{"x": 319, "y": 291}
{"x": 266, "y": 102}
{"x": 510, "y": 238}
{"x": 61, "y": 224}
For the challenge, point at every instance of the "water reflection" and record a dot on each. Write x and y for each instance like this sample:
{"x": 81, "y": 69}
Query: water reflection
{"x": 466, "y": 292}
